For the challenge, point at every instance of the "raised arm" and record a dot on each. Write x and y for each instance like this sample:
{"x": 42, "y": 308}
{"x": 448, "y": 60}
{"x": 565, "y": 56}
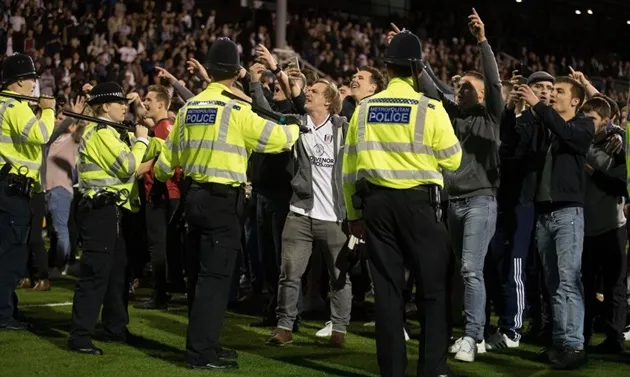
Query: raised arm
{"x": 492, "y": 81}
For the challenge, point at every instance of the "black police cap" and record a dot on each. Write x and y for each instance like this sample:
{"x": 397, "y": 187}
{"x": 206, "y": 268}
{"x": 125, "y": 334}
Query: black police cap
{"x": 18, "y": 67}
{"x": 404, "y": 47}
{"x": 106, "y": 92}
{"x": 223, "y": 57}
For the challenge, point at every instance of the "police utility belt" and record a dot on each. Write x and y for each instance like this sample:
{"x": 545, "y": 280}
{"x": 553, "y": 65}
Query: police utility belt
{"x": 429, "y": 193}
{"x": 103, "y": 198}
{"x": 19, "y": 185}
{"x": 218, "y": 189}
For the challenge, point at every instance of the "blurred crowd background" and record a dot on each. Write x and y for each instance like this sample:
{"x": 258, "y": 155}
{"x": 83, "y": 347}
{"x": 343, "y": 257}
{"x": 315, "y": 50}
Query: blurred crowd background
{"x": 77, "y": 42}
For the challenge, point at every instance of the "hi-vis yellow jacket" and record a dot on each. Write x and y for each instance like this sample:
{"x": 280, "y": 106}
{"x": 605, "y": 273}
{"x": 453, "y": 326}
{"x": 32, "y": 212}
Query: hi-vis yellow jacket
{"x": 213, "y": 137}
{"x": 22, "y": 136}
{"x": 107, "y": 163}
{"x": 399, "y": 139}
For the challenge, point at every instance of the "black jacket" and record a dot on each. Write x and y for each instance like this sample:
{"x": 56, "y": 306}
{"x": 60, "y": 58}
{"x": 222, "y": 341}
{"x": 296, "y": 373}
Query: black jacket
{"x": 569, "y": 143}
{"x": 517, "y": 163}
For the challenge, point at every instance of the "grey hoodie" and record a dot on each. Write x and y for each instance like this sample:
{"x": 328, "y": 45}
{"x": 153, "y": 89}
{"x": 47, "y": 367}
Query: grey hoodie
{"x": 478, "y": 132}
{"x": 302, "y": 182}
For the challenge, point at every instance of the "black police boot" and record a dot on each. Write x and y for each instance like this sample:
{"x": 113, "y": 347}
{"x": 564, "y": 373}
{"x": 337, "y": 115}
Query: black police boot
{"x": 87, "y": 350}
{"x": 217, "y": 364}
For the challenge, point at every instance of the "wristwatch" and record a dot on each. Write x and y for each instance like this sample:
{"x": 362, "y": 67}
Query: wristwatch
{"x": 277, "y": 70}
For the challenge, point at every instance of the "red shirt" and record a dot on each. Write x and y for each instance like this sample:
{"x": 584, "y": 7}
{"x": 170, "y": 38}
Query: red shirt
{"x": 161, "y": 130}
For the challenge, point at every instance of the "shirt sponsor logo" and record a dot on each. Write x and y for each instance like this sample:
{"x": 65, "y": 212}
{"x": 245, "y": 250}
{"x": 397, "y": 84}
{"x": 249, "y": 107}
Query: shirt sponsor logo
{"x": 389, "y": 114}
{"x": 201, "y": 116}
{"x": 328, "y": 138}
{"x": 322, "y": 162}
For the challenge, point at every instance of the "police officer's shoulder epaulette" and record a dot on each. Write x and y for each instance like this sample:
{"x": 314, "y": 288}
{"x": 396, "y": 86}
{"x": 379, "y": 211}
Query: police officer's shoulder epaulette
{"x": 101, "y": 126}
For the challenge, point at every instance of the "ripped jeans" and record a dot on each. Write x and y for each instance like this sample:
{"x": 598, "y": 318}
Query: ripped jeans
{"x": 471, "y": 225}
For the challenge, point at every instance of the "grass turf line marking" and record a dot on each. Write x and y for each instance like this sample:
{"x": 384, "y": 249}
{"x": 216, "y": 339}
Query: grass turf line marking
{"x": 46, "y": 305}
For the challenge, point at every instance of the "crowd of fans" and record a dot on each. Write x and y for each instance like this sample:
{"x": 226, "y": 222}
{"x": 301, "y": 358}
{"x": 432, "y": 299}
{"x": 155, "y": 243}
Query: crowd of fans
{"x": 74, "y": 44}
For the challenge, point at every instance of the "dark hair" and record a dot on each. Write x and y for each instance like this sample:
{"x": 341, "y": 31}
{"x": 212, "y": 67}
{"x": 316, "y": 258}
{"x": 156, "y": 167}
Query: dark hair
{"x": 577, "y": 89}
{"x": 395, "y": 71}
{"x": 598, "y": 105}
{"x": 615, "y": 113}
{"x": 377, "y": 77}
{"x": 311, "y": 76}
{"x": 474, "y": 74}
{"x": 161, "y": 94}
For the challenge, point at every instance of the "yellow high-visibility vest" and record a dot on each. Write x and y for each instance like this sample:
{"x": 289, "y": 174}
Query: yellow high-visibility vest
{"x": 22, "y": 135}
{"x": 399, "y": 139}
{"x": 213, "y": 137}
{"x": 107, "y": 163}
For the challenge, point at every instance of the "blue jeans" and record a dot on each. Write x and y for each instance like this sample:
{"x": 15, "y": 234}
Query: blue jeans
{"x": 59, "y": 200}
{"x": 560, "y": 237}
{"x": 471, "y": 225}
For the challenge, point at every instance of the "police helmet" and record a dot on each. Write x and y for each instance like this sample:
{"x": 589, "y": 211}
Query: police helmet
{"x": 404, "y": 47}
{"x": 223, "y": 57}
{"x": 18, "y": 67}
{"x": 106, "y": 92}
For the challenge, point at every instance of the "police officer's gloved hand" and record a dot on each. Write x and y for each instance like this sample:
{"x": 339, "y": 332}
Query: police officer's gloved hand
{"x": 292, "y": 119}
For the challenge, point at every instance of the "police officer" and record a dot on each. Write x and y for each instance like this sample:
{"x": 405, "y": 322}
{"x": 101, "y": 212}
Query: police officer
{"x": 211, "y": 140}
{"x": 398, "y": 142}
{"x": 107, "y": 181}
{"x": 21, "y": 139}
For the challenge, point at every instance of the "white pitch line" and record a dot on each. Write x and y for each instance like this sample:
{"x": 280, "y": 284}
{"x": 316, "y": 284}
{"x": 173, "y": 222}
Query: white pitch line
{"x": 46, "y": 305}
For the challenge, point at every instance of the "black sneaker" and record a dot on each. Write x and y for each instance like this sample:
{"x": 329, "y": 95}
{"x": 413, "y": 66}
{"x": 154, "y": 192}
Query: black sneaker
{"x": 549, "y": 355}
{"x": 570, "y": 358}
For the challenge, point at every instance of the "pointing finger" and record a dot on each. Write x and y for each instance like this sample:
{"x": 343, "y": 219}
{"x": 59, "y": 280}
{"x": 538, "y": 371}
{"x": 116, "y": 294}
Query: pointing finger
{"x": 394, "y": 27}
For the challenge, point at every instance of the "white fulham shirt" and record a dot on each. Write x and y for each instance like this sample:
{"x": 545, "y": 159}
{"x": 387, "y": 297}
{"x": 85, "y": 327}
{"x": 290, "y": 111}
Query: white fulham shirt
{"x": 320, "y": 147}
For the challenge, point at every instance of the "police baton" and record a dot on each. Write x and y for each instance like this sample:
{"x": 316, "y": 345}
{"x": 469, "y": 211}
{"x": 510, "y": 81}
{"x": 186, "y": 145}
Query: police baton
{"x": 120, "y": 126}
{"x": 22, "y": 97}
{"x": 414, "y": 73}
{"x": 278, "y": 118}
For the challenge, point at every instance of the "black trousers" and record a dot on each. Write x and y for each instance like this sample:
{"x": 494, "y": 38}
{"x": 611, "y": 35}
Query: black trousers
{"x": 403, "y": 232}
{"x": 37, "y": 257}
{"x": 605, "y": 256}
{"x": 15, "y": 224}
{"x": 164, "y": 247}
{"x": 103, "y": 277}
{"x": 213, "y": 242}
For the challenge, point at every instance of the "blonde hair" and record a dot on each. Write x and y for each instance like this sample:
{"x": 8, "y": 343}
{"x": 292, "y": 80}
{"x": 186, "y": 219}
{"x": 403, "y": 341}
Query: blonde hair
{"x": 332, "y": 95}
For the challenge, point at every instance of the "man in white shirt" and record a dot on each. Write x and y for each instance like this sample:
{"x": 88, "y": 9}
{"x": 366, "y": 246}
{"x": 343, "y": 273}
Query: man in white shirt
{"x": 316, "y": 214}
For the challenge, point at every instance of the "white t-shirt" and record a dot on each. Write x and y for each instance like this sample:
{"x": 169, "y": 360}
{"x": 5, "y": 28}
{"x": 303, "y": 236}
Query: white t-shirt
{"x": 320, "y": 147}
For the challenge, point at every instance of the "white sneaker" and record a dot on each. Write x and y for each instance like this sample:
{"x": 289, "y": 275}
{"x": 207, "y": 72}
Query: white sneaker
{"x": 627, "y": 334}
{"x": 500, "y": 341}
{"x": 481, "y": 347}
{"x": 406, "y": 335}
{"x": 326, "y": 331}
{"x": 467, "y": 350}
{"x": 369, "y": 324}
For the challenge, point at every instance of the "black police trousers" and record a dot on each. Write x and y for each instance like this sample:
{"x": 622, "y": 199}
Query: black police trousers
{"x": 103, "y": 277}
{"x": 402, "y": 231}
{"x": 213, "y": 242}
{"x": 164, "y": 247}
{"x": 15, "y": 224}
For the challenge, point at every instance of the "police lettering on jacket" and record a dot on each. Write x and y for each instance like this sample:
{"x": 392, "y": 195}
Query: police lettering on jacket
{"x": 389, "y": 114}
{"x": 201, "y": 116}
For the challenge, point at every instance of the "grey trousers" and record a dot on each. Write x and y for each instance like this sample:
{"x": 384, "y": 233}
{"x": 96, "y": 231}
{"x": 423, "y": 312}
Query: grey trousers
{"x": 299, "y": 236}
